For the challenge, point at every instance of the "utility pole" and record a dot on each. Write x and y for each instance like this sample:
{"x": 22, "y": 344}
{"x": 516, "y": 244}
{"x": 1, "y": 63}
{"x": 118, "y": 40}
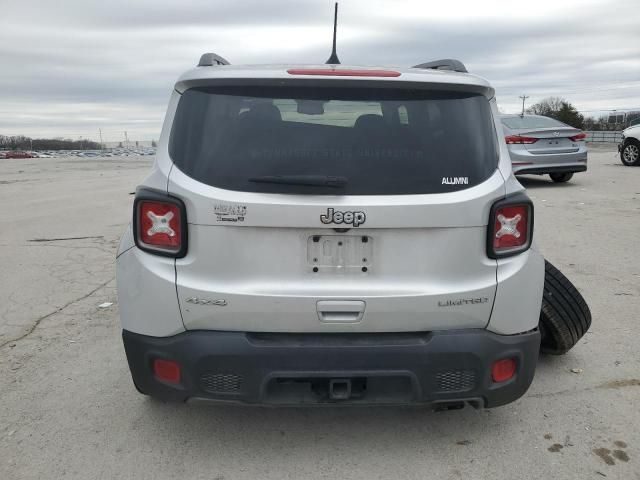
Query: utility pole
{"x": 523, "y": 97}
{"x": 101, "y": 144}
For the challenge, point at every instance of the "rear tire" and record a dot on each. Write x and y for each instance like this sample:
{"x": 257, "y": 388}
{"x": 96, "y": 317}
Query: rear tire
{"x": 561, "y": 177}
{"x": 565, "y": 316}
{"x": 630, "y": 153}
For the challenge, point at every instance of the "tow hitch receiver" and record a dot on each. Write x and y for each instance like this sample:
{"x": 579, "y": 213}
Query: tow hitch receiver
{"x": 339, "y": 389}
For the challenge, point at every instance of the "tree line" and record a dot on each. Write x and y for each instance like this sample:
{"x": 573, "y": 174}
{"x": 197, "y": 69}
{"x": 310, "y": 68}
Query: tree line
{"x": 20, "y": 142}
{"x": 565, "y": 112}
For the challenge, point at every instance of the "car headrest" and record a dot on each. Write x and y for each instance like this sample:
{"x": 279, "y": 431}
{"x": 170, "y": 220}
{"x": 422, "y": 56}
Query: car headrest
{"x": 369, "y": 121}
{"x": 263, "y": 112}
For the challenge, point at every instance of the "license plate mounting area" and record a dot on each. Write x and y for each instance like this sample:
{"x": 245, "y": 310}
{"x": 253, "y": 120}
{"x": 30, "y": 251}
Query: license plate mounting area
{"x": 340, "y": 253}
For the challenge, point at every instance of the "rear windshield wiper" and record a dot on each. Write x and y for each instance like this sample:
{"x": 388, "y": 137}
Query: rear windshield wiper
{"x": 311, "y": 180}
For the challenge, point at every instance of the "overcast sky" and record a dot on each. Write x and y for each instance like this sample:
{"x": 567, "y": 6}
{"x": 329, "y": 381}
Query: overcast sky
{"x": 70, "y": 67}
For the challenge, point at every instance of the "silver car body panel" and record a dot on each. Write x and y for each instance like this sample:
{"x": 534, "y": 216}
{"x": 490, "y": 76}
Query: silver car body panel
{"x": 519, "y": 294}
{"x": 148, "y": 304}
{"x": 428, "y": 268}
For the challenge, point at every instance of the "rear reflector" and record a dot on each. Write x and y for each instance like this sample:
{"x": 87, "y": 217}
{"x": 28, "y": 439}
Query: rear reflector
{"x": 343, "y": 72}
{"x": 166, "y": 370}
{"x": 503, "y": 370}
{"x": 517, "y": 139}
{"x": 577, "y": 138}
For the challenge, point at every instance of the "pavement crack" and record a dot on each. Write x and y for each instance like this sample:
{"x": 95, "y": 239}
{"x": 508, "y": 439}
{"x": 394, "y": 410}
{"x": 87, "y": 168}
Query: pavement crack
{"x": 57, "y": 310}
{"x": 65, "y": 238}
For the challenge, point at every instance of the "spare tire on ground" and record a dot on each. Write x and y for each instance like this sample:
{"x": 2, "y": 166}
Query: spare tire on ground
{"x": 565, "y": 316}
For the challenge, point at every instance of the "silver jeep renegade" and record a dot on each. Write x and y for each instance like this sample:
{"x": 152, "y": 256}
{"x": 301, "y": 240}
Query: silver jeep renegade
{"x": 331, "y": 234}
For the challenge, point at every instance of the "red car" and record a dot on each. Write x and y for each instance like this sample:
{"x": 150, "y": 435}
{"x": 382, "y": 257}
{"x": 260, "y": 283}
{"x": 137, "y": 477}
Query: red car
{"x": 18, "y": 155}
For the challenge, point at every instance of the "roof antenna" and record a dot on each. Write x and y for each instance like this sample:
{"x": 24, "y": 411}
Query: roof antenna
{"x": 333, "y": 59}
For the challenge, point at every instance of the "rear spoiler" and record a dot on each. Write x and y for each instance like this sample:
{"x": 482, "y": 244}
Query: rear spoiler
{"x": 211, "y": 59}
{"x": 445, "y": 64}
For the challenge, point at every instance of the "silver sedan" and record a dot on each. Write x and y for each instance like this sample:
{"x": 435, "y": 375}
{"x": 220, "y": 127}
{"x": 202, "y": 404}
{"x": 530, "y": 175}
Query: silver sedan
{"x": 542, "y": 145}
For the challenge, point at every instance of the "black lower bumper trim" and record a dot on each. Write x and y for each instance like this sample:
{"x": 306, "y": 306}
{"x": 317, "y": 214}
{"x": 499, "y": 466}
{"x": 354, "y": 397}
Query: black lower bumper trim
{"x": 546, "y": 170}
{"x": 291, "y": 369}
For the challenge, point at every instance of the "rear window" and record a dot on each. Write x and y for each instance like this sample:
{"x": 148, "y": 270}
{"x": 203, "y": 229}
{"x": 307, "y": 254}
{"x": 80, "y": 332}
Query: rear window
{"x": 375, "y": 141}
{"x": 519, "y": 123}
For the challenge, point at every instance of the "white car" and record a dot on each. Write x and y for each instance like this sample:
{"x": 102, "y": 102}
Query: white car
{"x": 629, "y": 147}
{"x": 334, "y": 234}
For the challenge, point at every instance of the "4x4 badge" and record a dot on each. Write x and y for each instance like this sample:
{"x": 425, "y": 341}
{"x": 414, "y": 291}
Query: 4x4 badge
{"x": 206, "y": 301}
{"x": 350, "y": 218}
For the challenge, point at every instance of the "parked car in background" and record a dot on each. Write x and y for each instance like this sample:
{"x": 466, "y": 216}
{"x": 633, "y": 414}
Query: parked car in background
{"x": 629, "y": 147}
{"x": 18, "y": 155}
{"x": 542, "y": 145}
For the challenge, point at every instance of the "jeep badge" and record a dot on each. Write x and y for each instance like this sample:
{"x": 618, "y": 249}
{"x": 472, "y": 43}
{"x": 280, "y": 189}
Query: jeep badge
{"x": 351, "y": 218}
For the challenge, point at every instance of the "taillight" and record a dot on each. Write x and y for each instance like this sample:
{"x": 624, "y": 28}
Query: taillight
{"x": 517, "y": 139}
{"x": 510, "y": 228}
{"x": 579, "y": 137}
{"x": 160, "y": 224}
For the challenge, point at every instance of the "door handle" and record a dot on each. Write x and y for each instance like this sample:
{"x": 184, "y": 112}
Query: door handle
{"x": 340, "y": 311}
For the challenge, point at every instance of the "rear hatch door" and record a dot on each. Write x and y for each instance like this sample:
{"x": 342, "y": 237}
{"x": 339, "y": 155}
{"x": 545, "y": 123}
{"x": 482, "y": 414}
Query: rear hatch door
{"x": 326, "y": 209}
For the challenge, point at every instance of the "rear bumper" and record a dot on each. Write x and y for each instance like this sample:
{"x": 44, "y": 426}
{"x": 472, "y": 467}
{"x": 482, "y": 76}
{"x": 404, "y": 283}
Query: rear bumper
{"x": 545, "y": 169}
{"x": 523, "y": 161}
{"x": 292, "y": 369}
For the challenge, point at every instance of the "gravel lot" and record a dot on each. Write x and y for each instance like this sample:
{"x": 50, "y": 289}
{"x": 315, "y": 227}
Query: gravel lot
{"x": 69, "y": 409}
